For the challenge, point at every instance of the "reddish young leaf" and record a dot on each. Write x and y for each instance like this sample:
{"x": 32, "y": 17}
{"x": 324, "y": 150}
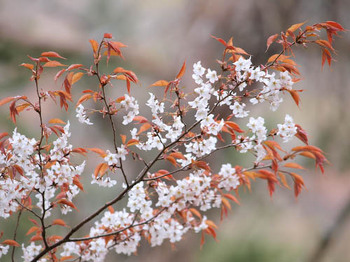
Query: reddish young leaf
{"x": 234, "y": 126}
{"x": 182, "y": 71}
{"x": 326, "y": 55}
{"x": 123, "y": 138}
{"x": 144, "y": 127}
{"x": 294, "y": 27}
{"x": 10, "y": 242}
{"x": 160, "y": 83}
{"x": 132, "y": 142}
{"x": 171, "y": 160}
{"x": 36, "y": 238}
{"x": 74, "y": 66}
{"x": 56, "y": 121}
{"x": 298, "y": 183}
{"x": 293, "y": 165}
{"x": 59, "y": 222}
{"x": 295, "y": 96}
{"x": 231, "y": 197}
{"x": 283, "y": 180}
{"x": 51, "y": 54}
{"x": 77, "y": 182}
{"x": 101, "y": 169}
{"x": 301, "y": 134}
{"x": 178, "y": 155}
{"x": 29, "y": 66}
{"x": 201, "y": 165}
{"x": 140, "y": 119}
{"x": 220, "y": 40}
{"x": 195, "y": 212}
{"x": 270, "y": 40}
{"x": 66, "y": 202}
{"x": 83, "y": 98}
{"x": 32, "y": 230}
{"x": 53, "y": 64}
{"x": 6, "y": 100}
{"x": 76, "y": 77}
{"x": 107, "y": 35}
{"x": 59, "y": 74}
{"x": 99, "y": 151}
{"x": 94, "y": 45}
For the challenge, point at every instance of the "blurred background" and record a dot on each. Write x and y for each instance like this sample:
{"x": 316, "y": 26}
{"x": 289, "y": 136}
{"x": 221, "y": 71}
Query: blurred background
{"x": 160, "y": 35}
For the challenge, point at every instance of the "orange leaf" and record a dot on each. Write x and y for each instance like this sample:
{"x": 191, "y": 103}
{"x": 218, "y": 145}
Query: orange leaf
{"x": 32, "y": 230}
{"x": 144, "y": 127}
{"x": 308, "y": 154}
{"x": 59, "y": 74}
{"x": 278, "y": 57}
{"x": 76, "y": 77}
{"x": 293, "y": 165}
{"x": 298, "y": 183}
{"x": 51, "y": 54}
{"x": 234, "y": 126}
{"x": 140, "y": 119}
{"x": 66, "y": 202}
{"x": 83, "y": 98}
{"x": 74, "y": 66}
{"x": 201, "y": 165}
{"x": 36, "y": 238}
{"x": 66, "y": 258}
{"x": 270, "y": 40}
{"x": 53, "y": 64}
{"x": 132, "y": 142}
{"x": 77, "y": 182}
{"x": 326, "y": 55}
{"x": 182, "y": 71}
{"x": 324, "y": 43}
{"x": 283, "y": 180}
{"x": 94, "y": 45}
{"x": 29, "y": 66}
{"x": 171, "y": 160}
{"x": 59, "y": 222}
{"x": 294, "y": 27}
{"x": 233, "y": 198}
{"x": 195, "y": 212}
{"x": 98, "y": 151}
{"x": 301, "y": 134}
{"x": 220, "y": 40}
{"x": 295, "y": 96}
{"x": 6, "y": 100}
{"x": 178, "y": 155}
{"x": 101, "y": 169}
{"x": 10, "y": 242}
{"x": 56, "y": 121}
{"x": 111, "y": 209}
{"x": 21, "y": 107}
{"x": 107, "y": 35}
{"x": 211, "y": 224}
{"x": 160, "y": 83}
{"x": 226, "y": 203}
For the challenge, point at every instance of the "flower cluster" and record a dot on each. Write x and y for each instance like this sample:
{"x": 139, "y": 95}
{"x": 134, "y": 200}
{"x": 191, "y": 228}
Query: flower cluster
{"x": 131, "y": 106}
{"x": 288, "y": 129}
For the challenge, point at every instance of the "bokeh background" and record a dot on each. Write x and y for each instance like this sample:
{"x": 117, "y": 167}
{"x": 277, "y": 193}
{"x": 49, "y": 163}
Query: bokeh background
{"x": 160, "y": 36}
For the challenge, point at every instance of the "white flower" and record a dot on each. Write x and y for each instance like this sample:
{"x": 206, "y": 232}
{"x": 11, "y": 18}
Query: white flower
{"x": 238, "y": 110}
{"x": 242, "y": 64}
{"x": 212, "y": 76}
{"x": 81, "y": 115}
{"x": 3, "y": 250}
{"x": 198, "y": 70}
